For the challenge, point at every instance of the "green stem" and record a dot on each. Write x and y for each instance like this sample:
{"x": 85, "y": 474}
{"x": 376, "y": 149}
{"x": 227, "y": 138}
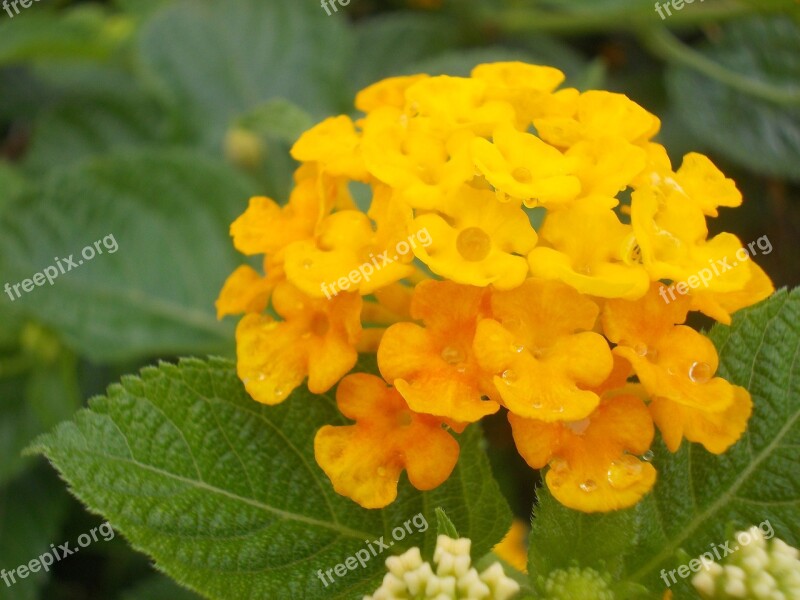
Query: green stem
{"x": 524, "y": 20}
{"x": 662, "y": 43}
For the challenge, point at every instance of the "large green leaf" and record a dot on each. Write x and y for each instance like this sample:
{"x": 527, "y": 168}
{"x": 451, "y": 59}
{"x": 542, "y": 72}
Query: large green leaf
{"x": 752, "y": 115}
{"x": 32, "y": 508}
{"x": 225, "y": 495}
{"x": 699, "y": 497}
{"x": 168, "y": 213}
{"x": 214, "y": 61}
{"x": 96, "y": 111}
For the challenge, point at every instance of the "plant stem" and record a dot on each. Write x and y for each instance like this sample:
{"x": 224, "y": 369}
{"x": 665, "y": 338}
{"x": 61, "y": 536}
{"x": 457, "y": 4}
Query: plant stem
{"x": 524, "y": 20}
{"x": 665, "y": 45}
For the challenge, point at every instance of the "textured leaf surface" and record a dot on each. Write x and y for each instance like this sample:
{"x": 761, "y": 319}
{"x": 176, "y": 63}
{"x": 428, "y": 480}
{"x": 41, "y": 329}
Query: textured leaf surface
{"x": 759, "y": 133}
{"x": 169, "y": 214}
{"x": 699, "y": 497}
{"x": 214, "y": 61}
{"x": 225, "y": 494}
{"x": 561, "y": 537}
{"x": 97, "y": 110}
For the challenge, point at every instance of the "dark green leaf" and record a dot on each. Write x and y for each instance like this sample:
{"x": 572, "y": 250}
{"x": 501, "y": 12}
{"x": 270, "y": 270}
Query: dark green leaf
{"x": 225, "y": 494}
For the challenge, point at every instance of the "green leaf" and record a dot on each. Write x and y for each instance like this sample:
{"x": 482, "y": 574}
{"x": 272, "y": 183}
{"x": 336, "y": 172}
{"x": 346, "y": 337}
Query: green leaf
{"x": 444, "y": 526}
{"x": 225, "y": 494}
{"x": 98, "y": 110}
{"x": 562, "y": 537}
{"x": 387, "y": 44}
{"x": 214, "y": 61}
{"x": 750, "y": 112}
{"x": 32, "y": 508}
{"x": 168, "y": 215}
{"x": 699, "y": 497}
{"x": 38, "y": 34}
{"x": 12, "y": 184}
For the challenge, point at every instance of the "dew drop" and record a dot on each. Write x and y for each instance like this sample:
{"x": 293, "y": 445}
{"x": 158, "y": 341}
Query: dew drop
{"x": 640, "y": 349}
{"x": 585, "y": 270}
{"x": 559, "y": 465}
{"x": 509, "y": 377}
{"x": 700, "y": 372}
{"x": 537, "y": 405}
{"x": 452, "y": 355}
{"x": 648, "y": 456}
{"x": 624, "y": 472}
{"x": 588, "y": 486}
{"x": 461, "y": 369}
{"x": 261, "y": 377}
{"x": 517, "y": 348}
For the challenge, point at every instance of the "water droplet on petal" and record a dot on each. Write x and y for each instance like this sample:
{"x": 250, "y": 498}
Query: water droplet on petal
{"x": 640, "y": 349}
{"x": 648, "y": 456}
{"x": 517, "y": 348}
{"x": 452, "y": 355}
{"x": 559, "y": 465}
{"x": 700, "y": 372}
{"x": 537, "y": 405}
{"x": 509, "y": 377}
{"x": 261, "y": 377}
{"x": 588, "y": 486}
{"x": 624, "y": 472}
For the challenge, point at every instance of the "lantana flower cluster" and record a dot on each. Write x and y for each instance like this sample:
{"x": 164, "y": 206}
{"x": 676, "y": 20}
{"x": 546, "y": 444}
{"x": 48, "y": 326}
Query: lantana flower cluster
{"x": 565, "y": 326}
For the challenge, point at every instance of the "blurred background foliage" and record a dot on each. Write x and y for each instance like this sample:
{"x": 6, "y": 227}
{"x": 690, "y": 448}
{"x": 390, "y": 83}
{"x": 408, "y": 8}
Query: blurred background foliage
{"x": 155, "y": 120}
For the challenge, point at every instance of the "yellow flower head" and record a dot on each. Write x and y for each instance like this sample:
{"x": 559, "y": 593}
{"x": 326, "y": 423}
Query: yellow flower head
{"x": 502, "y": 243}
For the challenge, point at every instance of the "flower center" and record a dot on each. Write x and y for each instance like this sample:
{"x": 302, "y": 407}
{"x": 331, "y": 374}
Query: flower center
{"x": 319, "y": 324}
{"x": 473, "y": 244}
